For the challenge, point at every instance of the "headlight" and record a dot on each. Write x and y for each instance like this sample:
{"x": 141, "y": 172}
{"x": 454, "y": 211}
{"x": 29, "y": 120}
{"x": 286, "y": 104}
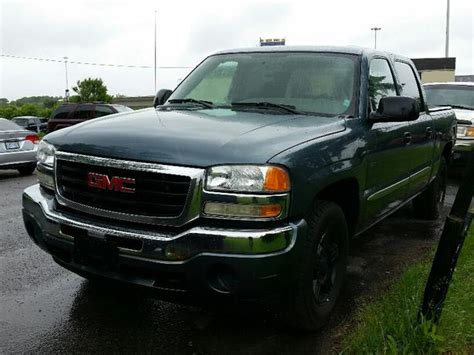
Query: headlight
{"x": 247, "y": 178}
{"x": 470, "y": 132}
{"x": 45, "y": 154}
{"x": 465, "y": 132}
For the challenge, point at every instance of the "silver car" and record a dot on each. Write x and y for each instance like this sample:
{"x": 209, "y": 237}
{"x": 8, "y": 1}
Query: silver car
{"x": 17, "y": 147}
{"x": 460, "y": 96}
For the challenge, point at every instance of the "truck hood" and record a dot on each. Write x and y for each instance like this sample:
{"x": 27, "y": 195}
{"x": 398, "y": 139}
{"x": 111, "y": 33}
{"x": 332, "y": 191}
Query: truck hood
{"x": 462, "y": 114}
{"x": 193, "y": 138}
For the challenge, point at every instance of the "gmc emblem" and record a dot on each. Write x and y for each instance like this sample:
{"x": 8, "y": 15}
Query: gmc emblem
{"x": 120, "y": 184}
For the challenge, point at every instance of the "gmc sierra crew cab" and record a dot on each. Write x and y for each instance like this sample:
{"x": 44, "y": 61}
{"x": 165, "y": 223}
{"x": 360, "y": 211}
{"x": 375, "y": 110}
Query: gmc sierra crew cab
{"x": 248, "y": 180}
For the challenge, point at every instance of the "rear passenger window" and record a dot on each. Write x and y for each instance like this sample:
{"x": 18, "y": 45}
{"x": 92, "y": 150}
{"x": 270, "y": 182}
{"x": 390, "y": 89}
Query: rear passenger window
{"x": 381, "y": 83}
{"x": 84, "y": 112}
{"x": 103, "y": 111}
{"x": 408, "y": 82}
{"x": 62, "y": 111}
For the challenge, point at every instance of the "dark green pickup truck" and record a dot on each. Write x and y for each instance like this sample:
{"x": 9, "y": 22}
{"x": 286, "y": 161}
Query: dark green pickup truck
{"x": 248, "y": 180}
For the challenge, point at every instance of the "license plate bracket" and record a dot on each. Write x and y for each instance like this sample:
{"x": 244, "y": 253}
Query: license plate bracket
{"x": 95, "y": 252}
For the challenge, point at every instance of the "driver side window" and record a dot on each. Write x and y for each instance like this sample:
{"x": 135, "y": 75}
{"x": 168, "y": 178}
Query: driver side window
{"x": 381, "y": 83}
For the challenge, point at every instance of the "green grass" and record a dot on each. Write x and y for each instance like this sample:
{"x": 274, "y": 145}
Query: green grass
{"x": 389, "y": 325}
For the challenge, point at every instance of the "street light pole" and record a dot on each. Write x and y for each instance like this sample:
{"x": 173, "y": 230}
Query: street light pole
{"x": 155, "y": 53}
{"x": 375, "y": 29}
{"x": 66, "y": 92}
{"x": 446, "y": 50}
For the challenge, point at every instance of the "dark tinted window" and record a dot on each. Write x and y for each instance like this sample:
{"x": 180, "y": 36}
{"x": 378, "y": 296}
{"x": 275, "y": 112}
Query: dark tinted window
{"x": 83, "y": 112}
{"x": 62, "y": 111}
{"x": 408, "y": 83}
{"x": 103, "y": 111}
{"x": 6, "y": 125}
{"x": 381, "y": 83}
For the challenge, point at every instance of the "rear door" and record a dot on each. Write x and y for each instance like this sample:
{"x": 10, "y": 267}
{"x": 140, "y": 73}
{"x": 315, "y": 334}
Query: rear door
{"x": 421, "y": 147}
{"x": 61, "y": 117}
{"x": 388, "y": 164}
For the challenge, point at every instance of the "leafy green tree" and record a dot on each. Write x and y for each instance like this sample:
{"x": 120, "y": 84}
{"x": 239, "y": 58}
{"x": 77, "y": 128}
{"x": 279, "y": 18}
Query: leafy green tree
{"x": 28, "y": 110}
{"x": 90, "y": 90}
{"x": 8, "y": 111}
{"x": 45, "y": 101}
{"x": 3, "y": 101}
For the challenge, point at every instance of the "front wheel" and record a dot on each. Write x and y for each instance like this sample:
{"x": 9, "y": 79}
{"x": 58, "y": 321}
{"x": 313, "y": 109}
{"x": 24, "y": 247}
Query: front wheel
{"x": 321, "y": 268}
{"x": 429, "y": 203}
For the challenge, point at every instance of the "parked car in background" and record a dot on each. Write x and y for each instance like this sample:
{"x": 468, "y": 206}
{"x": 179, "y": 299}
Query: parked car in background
{"x": 18, "y": 147}
{"x": 31, "y": 123}
{"x": 71, "y": 114}
{"x": 460, "y": 96}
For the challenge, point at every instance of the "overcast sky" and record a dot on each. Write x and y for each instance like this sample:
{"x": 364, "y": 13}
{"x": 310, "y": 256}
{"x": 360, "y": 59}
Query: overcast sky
{"x": 121, "y": 32}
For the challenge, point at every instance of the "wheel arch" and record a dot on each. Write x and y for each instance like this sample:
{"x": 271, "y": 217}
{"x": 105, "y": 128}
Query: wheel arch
{"x": 345, "y": 193}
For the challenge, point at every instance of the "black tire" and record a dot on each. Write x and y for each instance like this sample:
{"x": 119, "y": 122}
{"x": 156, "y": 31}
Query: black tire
{"x": 27, "y": 169}
{"x": 429, "y": 203}
{"x": 321, "y": 270}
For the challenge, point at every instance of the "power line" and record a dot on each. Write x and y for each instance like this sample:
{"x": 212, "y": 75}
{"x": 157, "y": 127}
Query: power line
{"x": 91, "y": 63}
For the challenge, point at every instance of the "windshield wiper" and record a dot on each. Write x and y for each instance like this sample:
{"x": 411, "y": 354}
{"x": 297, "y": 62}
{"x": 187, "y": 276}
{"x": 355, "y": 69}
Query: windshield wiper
{"x": 206, "y": 104}
{"x": 267, "y": 105}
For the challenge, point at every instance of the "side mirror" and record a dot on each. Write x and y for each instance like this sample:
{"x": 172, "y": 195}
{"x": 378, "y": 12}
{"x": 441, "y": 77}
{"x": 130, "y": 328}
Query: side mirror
{"x": 161, "y": 97}
{"x": 396, "y": 109}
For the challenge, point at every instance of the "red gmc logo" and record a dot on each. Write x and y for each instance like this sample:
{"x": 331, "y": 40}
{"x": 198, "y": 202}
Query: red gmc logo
{"x": 120, "y": 184}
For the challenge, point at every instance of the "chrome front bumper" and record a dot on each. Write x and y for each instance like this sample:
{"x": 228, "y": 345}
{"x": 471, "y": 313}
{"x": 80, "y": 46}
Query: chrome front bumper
{"x": 464, "y": 145}
{"x": 39, "y": 205}
{"x": 202, "y": 262}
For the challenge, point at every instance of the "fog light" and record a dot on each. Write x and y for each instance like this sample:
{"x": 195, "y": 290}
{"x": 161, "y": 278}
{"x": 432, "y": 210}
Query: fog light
{"x": 239, "y": 210}
{"x": 177, "y": 252}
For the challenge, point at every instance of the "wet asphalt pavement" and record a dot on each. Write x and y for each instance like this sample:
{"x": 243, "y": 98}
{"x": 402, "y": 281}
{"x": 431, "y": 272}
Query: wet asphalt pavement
{"x": 47, "y": 309}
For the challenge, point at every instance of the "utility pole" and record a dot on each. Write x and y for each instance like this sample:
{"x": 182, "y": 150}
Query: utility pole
{"x": 446, "y": 50}
{"x": 155, "y": 53}
{"x": 375, "y": 29}
{"x": 66, "y": 92}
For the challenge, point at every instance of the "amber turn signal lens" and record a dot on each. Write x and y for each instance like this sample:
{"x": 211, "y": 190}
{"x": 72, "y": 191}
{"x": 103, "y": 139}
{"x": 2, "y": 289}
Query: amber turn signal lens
{"x": 270, "y": 210}
{"x": 276, "y": 180}
{"x": 470, "y": 132}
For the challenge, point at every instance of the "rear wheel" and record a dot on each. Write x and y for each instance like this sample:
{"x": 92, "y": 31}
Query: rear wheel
{"x": 429, "y": 203}
{"x": 321, "y": 268}
{"x": 27, "y": 169}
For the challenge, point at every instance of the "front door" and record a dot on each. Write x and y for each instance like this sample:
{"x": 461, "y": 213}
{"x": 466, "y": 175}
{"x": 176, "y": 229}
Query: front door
{"x": 388, "y": 167}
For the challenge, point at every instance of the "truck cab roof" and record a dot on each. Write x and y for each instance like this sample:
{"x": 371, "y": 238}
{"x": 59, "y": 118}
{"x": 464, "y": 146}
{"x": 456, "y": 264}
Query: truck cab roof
{"x": 354, "y": 50}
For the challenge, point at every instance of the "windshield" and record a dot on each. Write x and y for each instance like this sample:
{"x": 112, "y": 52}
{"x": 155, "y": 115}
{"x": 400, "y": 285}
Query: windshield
{"x": 21, "y": 121}
{"x": 442, "y": 95}
{"x": 319, "y": 83}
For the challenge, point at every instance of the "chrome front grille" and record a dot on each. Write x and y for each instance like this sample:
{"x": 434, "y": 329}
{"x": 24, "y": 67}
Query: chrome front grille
{"x": 162, "y": 194}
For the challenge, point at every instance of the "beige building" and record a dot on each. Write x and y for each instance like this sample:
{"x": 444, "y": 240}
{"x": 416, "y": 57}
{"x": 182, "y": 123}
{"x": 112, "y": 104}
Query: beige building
{"x": 437, "y": 70}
